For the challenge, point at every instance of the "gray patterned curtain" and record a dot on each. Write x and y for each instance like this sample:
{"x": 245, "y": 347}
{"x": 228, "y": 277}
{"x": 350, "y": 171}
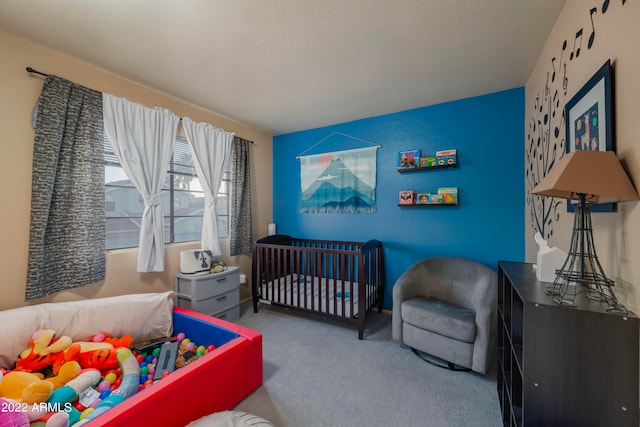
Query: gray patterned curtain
{"x": 67, "y": 233}
{"x": 241, "y": 235}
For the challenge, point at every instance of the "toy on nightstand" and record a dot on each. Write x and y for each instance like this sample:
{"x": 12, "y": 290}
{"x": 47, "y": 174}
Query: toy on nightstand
{"x": 218, "y": 267}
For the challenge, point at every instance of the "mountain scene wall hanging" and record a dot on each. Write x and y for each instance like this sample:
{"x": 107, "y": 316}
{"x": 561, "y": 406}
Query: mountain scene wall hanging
{"x": 339, "y": 182}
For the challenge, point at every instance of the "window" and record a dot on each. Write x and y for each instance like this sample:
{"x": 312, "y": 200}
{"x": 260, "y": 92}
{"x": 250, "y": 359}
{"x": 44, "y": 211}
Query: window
{"x": 181, "y": 195}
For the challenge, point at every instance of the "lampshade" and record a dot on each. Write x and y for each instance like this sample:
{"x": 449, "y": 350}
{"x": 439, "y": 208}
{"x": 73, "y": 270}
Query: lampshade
{"x": 598, "y": 174}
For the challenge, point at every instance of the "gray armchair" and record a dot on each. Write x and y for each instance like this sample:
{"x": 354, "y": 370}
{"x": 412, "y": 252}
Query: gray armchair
{"x": 446, "y": 307}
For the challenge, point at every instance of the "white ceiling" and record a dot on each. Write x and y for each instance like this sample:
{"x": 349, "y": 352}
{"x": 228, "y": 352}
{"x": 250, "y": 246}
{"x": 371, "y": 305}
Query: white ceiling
{"x": 288, "y": 65}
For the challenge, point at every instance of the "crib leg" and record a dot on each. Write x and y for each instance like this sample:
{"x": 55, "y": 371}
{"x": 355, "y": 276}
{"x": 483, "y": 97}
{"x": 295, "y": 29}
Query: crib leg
{"x": 255, "y": 305}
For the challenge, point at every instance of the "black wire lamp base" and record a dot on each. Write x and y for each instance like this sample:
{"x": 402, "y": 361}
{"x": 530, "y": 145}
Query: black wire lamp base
{"x": 581, "y": 271}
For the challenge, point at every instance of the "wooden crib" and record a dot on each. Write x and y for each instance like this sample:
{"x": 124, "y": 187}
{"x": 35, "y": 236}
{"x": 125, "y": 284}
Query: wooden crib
{"x": 334, "y": 279}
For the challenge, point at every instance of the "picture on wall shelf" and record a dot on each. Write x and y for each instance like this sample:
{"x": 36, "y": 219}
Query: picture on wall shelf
{"x": 446, "y": 157}
{"x": 423, "y": 198}
{"x": 589, "y": 121}
{"x": 427, "y": 162}
{"x": 449, "y": 195}
{"x": 409, "y": 159}
{"x": 407, "y": 197}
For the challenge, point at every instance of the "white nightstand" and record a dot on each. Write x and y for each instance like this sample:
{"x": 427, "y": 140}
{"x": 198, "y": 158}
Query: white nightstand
{"x": 215, "y": 294}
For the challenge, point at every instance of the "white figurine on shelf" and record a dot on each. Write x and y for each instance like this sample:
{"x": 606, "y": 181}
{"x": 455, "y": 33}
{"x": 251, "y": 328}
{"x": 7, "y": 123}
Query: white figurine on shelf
{"x": 549, "y": 259}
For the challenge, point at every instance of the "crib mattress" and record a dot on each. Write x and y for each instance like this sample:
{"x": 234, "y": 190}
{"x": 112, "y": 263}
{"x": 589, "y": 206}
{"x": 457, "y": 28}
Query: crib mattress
{"x": 335, "y": 297}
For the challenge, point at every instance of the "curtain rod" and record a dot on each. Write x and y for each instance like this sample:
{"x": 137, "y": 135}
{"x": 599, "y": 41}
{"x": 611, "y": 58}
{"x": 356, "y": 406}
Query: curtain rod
{"x": 33, "y": 71}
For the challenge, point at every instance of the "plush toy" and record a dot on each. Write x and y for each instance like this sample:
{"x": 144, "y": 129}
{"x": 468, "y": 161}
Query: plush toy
{"x": 100, "y": 353}
{"x": 45, "y": 342}
{"x": 30, "y": 388}
{"x": 123, "y": 341}
{"x": 68, "y": 393}
{"x": 102, "y": 359}
{"x": 15, "y": 414}
{"x": 45, "y": 349}
{"x": 67, "y": 372}
{"x": 185, "y": 357}
{"x": 218, "y": 267}
{"x": 128, "y": 387}
{"x": 24, "y": 387}
{"x": 11, "y": 415}
{"x": 51, "y": 419}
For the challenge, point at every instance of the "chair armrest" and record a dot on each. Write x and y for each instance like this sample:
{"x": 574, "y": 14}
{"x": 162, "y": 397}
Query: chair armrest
{"x": 485, "y": 322}
{"x": 410, "y": 285}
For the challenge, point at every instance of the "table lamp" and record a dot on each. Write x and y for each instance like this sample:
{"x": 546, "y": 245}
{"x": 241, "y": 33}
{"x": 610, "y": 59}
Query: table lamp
{"x": 588, "y": 177}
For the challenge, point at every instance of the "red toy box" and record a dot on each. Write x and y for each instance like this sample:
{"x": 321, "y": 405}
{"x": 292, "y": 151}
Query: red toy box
{"x": 215, "y": 382}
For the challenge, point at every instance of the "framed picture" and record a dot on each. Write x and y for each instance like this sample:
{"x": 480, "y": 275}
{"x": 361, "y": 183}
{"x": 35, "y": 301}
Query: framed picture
{"x": 589, "y": 121}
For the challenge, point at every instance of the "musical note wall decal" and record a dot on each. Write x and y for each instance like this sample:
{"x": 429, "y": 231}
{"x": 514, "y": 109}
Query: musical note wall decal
{"x": 605, "y": 5}
{"x": 546, "y": 142}
{"x": 593, "y": 29}
{"x": 576, "y": 51}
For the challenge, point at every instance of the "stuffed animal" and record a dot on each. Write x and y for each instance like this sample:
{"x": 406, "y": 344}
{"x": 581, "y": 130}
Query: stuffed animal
{"x": 50, "y": 419}
{"x": 70, "y": 391}
{"x": 30, "y": 388}
{"x": 64, "y": 396}
{"x": 24, "y": 387}
{"x": 67, "y": 372}
{"x": 99, "y": 355}
{"x": 16, "y": 414}
{"x": 218, "y": 267}
{"x": 127, "y": 388}
{"x": 45, "y": 349}
{"x": 124, "y": 341}
{"x": 102, "y": 359}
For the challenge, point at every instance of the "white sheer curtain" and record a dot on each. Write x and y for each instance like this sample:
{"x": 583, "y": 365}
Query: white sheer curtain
{"x": 142, "y": 138}
{"x": 211, "y": 148}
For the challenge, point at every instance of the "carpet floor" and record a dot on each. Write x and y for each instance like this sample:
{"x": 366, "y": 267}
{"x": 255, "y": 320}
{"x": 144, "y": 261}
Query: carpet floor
{"x": 317, "y": 373}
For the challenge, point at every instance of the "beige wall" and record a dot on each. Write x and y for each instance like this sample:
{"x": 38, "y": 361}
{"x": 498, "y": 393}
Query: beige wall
{"x": 19, "y": 91}
{"x": 617, "y": 235}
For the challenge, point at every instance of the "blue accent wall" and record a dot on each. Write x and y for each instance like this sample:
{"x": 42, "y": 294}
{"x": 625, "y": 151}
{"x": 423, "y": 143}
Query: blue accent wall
{"x": 488, "y": 223}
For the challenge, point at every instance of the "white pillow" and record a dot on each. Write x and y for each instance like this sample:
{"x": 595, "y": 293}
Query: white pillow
{"x": 144, "y": 316}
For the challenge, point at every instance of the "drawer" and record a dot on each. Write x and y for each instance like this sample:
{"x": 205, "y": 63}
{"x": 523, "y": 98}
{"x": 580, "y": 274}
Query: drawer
{"x": 231, "y": 314}
{"x": 211, "y": 305}
{"x": 207, "y": 286}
